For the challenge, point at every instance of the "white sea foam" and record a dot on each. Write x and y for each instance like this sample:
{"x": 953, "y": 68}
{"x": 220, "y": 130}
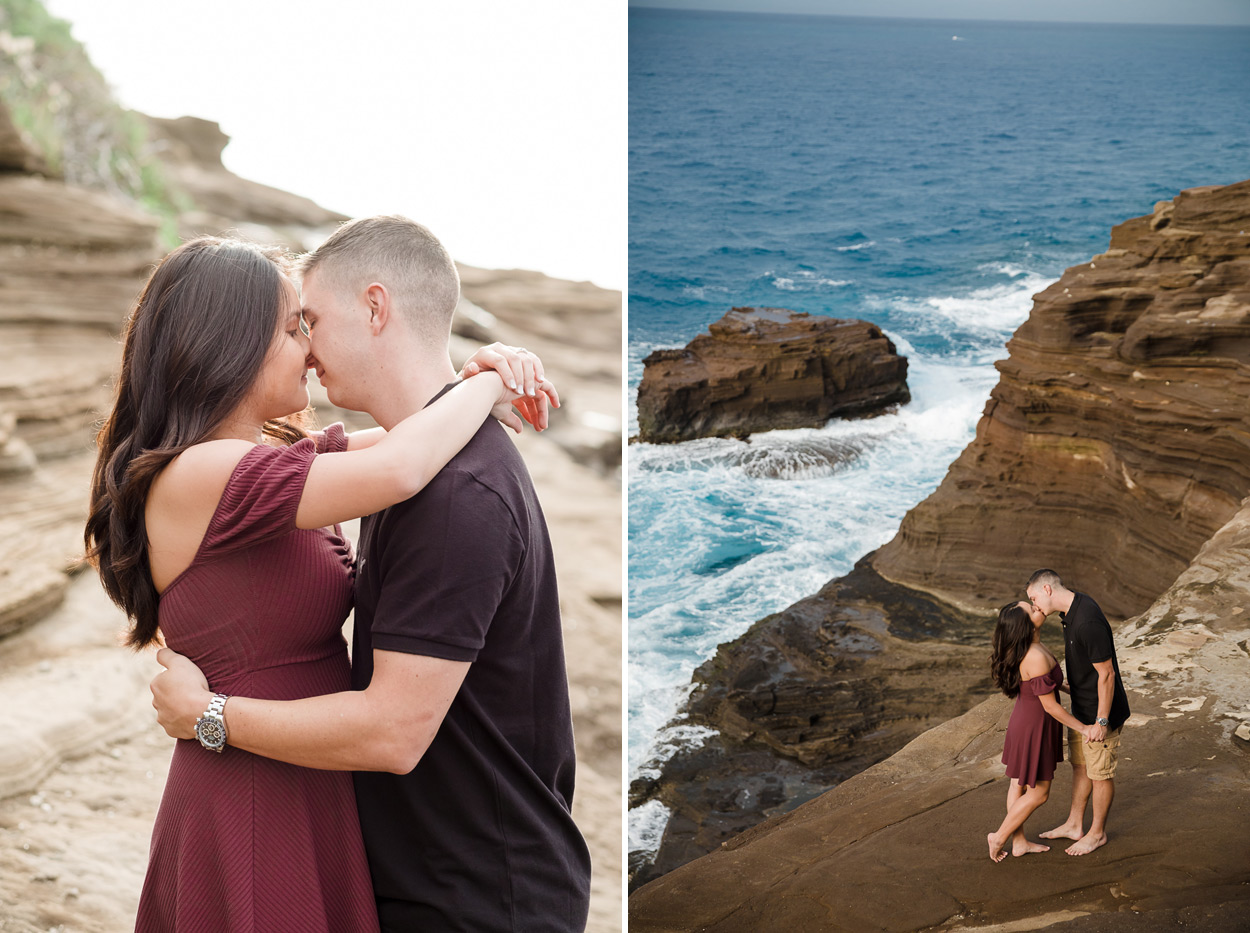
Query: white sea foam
{"x": 702, "y": 291}
{"x": 646, "y": 826}
{"x": 854, "y": 246}
{"x": 803, "y": 280}
{"x": 993, "y": 311}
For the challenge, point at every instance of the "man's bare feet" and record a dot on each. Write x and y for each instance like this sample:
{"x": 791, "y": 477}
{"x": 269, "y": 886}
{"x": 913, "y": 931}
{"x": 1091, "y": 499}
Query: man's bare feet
{"x": 1022, "y": 846}
{"x": 997, "y": 852}
{"x": 1073, "y": 831}
{"x": 1087, "y": 844}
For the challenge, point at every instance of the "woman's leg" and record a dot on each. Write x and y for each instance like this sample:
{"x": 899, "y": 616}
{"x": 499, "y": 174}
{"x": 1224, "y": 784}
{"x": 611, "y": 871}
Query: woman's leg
{"x": 1019, "y": 844}
{"x": 1023, "y": 805}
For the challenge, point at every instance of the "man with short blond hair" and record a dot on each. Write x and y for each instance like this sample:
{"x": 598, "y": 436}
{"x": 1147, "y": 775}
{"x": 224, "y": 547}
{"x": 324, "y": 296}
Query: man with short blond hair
{"x": 1098, "y": 698}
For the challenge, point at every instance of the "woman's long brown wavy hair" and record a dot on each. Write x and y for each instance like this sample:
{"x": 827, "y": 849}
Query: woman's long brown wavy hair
{"x": 192, "y": 349}
{"x": 1012, "y": 637}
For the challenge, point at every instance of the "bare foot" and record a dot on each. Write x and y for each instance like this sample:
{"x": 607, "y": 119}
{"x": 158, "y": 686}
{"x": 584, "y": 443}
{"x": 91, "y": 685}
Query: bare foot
{"x": 1073, "y": 831}
{"x": 1087, "y": 844}
{"x": 1024, "y": 847}
{"x": 997, "y": 852}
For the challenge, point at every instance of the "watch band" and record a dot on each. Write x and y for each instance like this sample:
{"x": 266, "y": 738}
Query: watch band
{"x": 218, "y": 706}
{"x": 1102, "y": 721}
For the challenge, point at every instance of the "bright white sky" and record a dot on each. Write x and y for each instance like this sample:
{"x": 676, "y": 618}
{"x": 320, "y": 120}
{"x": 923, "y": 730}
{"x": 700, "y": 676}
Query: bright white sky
{"x": 499, "y": 125}
{"x": 1161, "y": 12}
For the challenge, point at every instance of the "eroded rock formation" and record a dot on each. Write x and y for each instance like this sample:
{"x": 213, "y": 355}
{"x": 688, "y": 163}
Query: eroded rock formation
{"x": 1116, "y": 443}
{"x": 760, "y": 369}
{"x": 219, "y": 200}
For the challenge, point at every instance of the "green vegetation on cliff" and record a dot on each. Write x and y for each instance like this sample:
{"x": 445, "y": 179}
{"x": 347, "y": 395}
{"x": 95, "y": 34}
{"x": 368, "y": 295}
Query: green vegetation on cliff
{"x": 67, "y": 115}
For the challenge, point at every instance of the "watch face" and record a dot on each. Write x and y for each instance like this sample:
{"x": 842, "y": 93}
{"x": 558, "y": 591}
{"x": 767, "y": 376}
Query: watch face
{"x": 211, "y": 733}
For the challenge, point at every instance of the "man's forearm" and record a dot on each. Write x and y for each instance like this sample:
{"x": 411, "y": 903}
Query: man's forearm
{"x": 336, "y": 732}
{"x": 1106, "y": 693}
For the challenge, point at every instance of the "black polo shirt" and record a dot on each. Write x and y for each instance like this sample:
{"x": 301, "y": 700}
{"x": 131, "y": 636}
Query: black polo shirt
{"x": 478, "y": 837}
{"x": 1086, "y": 640}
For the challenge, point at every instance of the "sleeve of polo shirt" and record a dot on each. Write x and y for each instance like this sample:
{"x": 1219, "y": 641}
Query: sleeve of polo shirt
{"x": 446, "y": 564}
{"x": 1097, "y": 642}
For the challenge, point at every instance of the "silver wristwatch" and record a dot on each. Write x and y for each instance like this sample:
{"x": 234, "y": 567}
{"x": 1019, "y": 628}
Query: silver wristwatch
{"x": 1102, "y": 721}
{"x": 210, "y": 728}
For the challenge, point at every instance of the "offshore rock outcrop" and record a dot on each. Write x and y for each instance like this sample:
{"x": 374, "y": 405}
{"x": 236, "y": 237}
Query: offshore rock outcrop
{"x": 760, "y": 369}
{"x": 1116, "y": 443}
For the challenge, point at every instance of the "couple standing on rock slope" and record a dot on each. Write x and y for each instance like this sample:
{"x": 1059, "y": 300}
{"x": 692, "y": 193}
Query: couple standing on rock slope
{"x": 1024, "y": 668}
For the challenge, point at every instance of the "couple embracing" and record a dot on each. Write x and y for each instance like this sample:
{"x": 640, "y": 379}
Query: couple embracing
{"x": 426, "y": 785}
{"x": 1025, "y": 669}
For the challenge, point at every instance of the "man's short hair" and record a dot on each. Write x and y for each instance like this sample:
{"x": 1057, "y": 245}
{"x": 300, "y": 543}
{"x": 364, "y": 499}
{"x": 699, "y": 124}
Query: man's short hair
{"x": 1044, "y": 578}
{"x": 400, "y": 254}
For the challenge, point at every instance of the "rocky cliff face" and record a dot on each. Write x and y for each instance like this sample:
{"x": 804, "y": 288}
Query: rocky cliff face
{"x": 1116, "y": 443}
{"x": 760, "y": 369}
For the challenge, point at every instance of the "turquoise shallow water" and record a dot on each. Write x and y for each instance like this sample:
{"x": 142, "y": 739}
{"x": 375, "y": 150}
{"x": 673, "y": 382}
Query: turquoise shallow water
{"x": 928, "y": 176}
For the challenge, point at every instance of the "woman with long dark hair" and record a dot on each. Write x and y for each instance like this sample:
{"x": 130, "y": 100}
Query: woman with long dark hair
{"x": 1024, "y": 668}
{"x": 213, "y": 524}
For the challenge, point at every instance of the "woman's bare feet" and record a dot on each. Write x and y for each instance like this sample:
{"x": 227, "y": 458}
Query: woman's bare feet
{"x": 1022, "y": 846}
{"x": 1087, "y": 844}
{"x": 1068, "y": 830}
{"x": 997, "y": 852}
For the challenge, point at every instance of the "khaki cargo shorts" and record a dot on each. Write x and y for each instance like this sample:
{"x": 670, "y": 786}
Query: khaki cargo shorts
{"x": 1099, "y": 758}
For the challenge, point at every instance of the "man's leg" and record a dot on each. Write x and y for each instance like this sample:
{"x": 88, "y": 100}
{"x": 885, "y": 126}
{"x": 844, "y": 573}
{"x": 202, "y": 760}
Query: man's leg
{"x": 1101, "y": 759}
{"x": 1104, "y": 793}
{"x": 1082, "y": 786}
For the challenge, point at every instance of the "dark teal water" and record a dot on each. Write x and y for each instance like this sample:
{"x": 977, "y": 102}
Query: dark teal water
{"x": 885, "y": 170}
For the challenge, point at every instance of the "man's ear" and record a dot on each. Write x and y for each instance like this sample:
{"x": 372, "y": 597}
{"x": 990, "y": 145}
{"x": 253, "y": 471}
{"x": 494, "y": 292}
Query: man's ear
{"x": 378, "y": 300}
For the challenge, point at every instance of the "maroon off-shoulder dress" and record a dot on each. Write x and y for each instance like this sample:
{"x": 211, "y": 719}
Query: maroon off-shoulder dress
{"x": 1034, "y": 743}
{"x": 243, "y": 844}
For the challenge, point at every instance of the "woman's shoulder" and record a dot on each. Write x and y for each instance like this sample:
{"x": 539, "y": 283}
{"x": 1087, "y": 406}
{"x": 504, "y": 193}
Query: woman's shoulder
{"x": 1037, "y": 663}
{"x": 201, "y": 471}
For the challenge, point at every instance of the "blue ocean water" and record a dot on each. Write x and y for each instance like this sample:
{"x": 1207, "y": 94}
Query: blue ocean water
{"x": 928, "y": 176}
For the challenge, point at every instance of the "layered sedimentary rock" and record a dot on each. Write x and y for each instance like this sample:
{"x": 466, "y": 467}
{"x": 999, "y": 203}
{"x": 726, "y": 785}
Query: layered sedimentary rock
{"x": 1116, "y": 443}
{"x": 760, "y": 369}
{"x": 71, "y": 262}
{"x": 218, "y": 200}
{"x": 902, "y": 845}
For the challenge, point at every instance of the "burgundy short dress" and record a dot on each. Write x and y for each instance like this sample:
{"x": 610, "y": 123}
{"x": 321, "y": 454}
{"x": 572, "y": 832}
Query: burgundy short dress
{"x": 1034, "y": 742}
{"x": 243, "y": 844}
